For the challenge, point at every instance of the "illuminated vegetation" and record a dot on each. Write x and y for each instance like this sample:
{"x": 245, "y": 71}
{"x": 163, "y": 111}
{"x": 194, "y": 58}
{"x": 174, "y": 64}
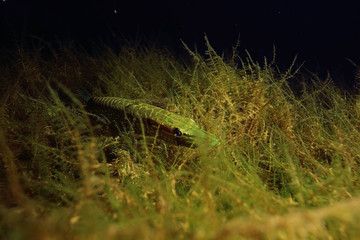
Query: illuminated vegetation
{"x": 287, "y": 166}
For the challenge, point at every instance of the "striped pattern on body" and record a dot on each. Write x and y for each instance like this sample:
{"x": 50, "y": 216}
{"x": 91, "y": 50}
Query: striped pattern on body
{"x": 168, "y": 126}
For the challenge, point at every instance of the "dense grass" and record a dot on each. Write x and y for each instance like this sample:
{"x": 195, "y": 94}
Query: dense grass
{"x": 287, "y": 166}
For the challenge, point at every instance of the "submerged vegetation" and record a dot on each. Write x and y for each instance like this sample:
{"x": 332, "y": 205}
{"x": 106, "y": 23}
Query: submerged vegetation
{"x": 287, "y": 166}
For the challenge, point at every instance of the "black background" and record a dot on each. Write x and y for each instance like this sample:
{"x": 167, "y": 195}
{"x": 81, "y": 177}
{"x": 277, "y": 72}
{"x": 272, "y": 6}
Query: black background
{"x": 323, "y": 34}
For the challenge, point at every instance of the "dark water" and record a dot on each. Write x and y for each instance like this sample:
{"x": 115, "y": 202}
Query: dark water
{"x": 323, "y": 35}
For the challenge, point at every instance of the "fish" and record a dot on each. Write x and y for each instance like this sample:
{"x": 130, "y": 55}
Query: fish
{"x": 151, "y": 120}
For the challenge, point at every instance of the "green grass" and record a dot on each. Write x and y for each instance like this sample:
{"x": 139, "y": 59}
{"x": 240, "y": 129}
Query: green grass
{"x": 287, "y": 166}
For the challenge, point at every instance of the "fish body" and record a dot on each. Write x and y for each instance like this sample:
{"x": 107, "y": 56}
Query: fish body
{"x": 151, "y": 120}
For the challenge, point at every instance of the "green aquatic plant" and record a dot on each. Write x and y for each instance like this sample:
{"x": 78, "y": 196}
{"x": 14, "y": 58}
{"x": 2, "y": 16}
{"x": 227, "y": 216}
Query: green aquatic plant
{"x": 287, "y": 166}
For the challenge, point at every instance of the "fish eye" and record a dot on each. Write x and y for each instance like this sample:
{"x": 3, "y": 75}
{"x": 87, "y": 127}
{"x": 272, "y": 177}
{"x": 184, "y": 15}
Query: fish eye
{"x": 177, "y": 132}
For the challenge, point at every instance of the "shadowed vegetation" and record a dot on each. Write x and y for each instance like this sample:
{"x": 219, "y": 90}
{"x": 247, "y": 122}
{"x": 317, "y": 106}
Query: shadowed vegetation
{"x": 287, "y": 166}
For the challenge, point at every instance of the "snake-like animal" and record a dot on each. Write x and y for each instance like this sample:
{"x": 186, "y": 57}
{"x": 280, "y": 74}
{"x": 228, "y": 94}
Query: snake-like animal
{"x": 151, "y": 120}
